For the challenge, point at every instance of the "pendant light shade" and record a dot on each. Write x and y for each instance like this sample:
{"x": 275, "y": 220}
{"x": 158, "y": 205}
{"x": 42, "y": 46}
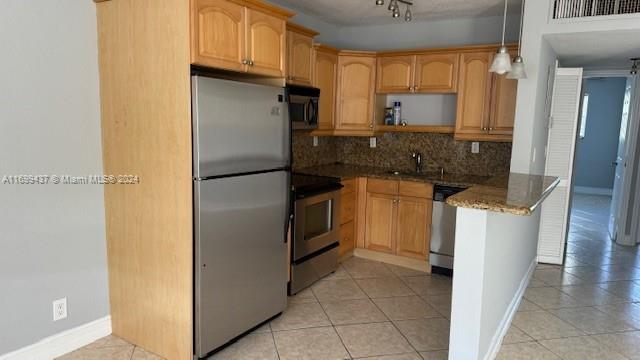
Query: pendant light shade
{"x": 501, "y": 62}
{"x": 517, "y": 69}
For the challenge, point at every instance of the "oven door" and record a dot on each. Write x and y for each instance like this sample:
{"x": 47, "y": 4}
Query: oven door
{"x": 316, "y": 223}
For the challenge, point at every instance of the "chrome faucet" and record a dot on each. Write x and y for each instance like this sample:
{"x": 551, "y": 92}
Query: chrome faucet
{"x": 418, "y": 159}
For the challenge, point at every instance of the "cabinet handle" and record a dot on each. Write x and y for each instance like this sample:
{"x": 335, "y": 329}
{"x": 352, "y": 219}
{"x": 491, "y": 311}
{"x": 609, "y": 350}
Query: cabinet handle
{"x": 245, "y": 62}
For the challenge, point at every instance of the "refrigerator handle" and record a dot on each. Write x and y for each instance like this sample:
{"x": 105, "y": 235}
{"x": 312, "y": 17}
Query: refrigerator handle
{"x": 288, "y": 215}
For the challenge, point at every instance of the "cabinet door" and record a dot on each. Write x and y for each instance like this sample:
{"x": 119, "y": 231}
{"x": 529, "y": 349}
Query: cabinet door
{"x": 326, "y": 67}
{"x": 266, "y": 36}
{"x": 218, "y": 34}
{"x": 380, "y": 223}
{"x": 300, "y": 49}
{"x": 414, "y": 227}
{"x": 436, "y": 73}
{"x": 503, "y": 105}
{"x": 356, "y": 86}
{"x": 474, "y": 93}
{"x": 347, "y": 238}
{"x": 395, "y": 74}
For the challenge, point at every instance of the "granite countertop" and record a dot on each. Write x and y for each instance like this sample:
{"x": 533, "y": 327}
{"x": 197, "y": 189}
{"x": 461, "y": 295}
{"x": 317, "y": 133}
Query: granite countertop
{"x": 345, "y": 171}
{"x": 514, "y": 193}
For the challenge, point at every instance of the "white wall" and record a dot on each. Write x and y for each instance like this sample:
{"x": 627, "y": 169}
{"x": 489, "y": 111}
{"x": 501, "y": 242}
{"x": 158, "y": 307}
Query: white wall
{"x": 53, "y": 236}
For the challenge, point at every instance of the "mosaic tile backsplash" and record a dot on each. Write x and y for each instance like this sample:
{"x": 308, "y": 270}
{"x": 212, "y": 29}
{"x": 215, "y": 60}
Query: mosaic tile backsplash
{"x": 394, "y": 151}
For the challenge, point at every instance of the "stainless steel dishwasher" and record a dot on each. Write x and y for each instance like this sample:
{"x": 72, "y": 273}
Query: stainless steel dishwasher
{"x": 443, "y": 229}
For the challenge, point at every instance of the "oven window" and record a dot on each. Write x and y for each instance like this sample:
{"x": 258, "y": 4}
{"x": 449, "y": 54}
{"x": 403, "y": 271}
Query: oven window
{"x": 317, "y": 219}
{"x": 296, "y": 111}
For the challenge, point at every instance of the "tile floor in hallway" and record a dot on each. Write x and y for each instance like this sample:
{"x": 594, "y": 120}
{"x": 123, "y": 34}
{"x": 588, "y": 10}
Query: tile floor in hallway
{"x": 588, "y": 309}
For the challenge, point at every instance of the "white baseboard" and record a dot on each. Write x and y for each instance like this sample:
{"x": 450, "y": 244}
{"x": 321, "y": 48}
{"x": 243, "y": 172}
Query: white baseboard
{"x": 496, "y": 342}
{"x": 592, "y": 190}
{"x": 64, "y": 342}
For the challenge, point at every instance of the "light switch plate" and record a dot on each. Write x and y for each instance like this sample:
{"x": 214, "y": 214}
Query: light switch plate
{"x": 475, "y": 147}
{"x": 315, "y": 141}
{"x": 373, "y": 142}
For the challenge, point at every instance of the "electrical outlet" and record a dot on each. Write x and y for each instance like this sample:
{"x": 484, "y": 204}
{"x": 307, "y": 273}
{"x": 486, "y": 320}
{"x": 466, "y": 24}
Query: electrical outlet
{"x": 59, "y": 309}
{"x": 475, "y": 147}
{"x": 315, "y": 141}
{"x": 373, "y": 142}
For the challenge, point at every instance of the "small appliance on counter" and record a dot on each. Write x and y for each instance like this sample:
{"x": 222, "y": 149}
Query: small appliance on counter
{"x": 315, "y": 229}
{"x": 303, "y": 106}
{"x": 443, "y": 230}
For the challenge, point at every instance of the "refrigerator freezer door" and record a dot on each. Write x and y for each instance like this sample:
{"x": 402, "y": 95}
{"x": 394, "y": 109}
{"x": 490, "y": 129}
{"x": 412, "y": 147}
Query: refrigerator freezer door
{"x": 238, "y": 127}
{"x": 240, "y": 265}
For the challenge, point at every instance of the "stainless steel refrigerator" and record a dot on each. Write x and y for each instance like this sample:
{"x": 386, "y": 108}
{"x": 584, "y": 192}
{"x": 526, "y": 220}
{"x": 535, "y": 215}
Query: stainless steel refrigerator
{"x": 241, "y": 162}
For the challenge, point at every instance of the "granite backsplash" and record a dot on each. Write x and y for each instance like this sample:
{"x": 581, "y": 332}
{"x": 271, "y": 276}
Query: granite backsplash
{"x": 394, "y": 151}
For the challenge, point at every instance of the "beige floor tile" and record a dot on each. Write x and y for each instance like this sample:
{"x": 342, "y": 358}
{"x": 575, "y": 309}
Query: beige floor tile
{"x": 102, "y": 353}
{"x": 304, "y": 296}
{"x": 249, "y": 347}
{"x": 515, "y": 335}
{"x": 627, "y": 289}
{"x": 429, "y": 285}
{"x": 526, "y": 305}
{"x": 556, "y": 277}
{"x": 373, "y": 340}
{"x": 590, "y": 274}
{"x": 406, "y": 308}
{"x": 335, "y": 290}
{"x": 106, "y": 341}
{"x": 627, "y": 343}
{"x": 142, "y": 354}
{"x": 543, "y": 325}
{"x": 263, "y": 328}
{"x": 353, "y": 312}
{"x": 525, "y": 351}
{"x": 340, "y": 273}
{"x": 362, "y": 269}
{"x": 580, "y": 348}
{"x": 590, "y": 294}
{"x": 300, "y": 316}
{"x": 626, "y": 312}
{"x": 590, "y": 320}
{"x": 403, "y": 271}
{"x": 571, "y": 261}
{"x": 384, "y": 287}
{"x": 426, "y": 334}
{"x": 408, "y": 356}
{"x": 534, "y": 283}
{"x": 550, "y": 298}
{"x": 442, "y": 303}
{"x": 310, "y": 344}
{"x": 435, "y": 355}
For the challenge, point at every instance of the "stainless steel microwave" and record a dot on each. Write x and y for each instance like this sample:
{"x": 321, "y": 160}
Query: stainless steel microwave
{"x": 303, "y": 107}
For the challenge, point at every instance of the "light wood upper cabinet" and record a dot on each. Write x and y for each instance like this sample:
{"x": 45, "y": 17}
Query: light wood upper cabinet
{"x": 227, "y": 35}
{"x": 486, "y": 101}
{"x": 395, "y": 74}
{"x": 380, "y": 223}
{"x": 436, "y": 73}
{"x": 325, "y": 76}
{"x": 474, "y": 93}
{"x": 414, "y": 227}
{"x": 218, "y": 34}
{"x": 355, "y": 94}
{"x": 266, "y": 43}
{"x": 300, "y": 55}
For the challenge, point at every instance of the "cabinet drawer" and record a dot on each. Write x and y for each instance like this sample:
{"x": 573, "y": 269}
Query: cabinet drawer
{"x": 349, "y": 186}
{"x": 377, "y": 186}
{"x": 347, "y": 207}
{"x": 347, "y": 238}
{"x": 416, "y": 189}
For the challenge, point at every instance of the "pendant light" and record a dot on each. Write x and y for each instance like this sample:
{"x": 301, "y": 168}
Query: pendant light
{"x": 517, "y": 68}
{"x": 502, "y": 61}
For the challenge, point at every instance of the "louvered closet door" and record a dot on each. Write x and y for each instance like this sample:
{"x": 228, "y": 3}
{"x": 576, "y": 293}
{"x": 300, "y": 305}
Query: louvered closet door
{"x": 563, "y": 126}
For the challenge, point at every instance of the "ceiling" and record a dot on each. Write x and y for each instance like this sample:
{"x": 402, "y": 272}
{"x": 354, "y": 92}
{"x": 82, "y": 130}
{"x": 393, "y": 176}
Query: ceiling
{"x": 596, "y": 50}
{"x": 361, "y": 12}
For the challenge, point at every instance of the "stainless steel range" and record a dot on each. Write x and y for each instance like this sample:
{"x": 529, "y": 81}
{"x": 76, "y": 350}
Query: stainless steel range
{"x": 316, "y": 223}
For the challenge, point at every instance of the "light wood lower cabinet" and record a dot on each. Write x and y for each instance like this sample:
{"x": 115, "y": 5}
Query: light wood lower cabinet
{"x": 348, "y": 196}
{"x": 398, "y": 218}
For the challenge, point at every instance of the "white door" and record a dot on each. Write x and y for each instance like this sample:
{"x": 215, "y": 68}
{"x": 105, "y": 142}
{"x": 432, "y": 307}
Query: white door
{"x": 563, "y": 129}
{"x": 620, "y": 164}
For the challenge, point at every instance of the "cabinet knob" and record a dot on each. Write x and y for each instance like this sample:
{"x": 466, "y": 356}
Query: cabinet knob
{"x": 250, "y": 62}
{"x": 491, "y": 129}
{"x": 245, "y": 62}
{"x": 370, "y": 126}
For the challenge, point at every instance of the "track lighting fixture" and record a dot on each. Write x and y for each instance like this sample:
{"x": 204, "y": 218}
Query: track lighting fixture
{"x": 634, "y": 67}
{"x": 394, "y": 7}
